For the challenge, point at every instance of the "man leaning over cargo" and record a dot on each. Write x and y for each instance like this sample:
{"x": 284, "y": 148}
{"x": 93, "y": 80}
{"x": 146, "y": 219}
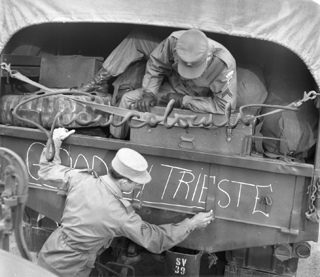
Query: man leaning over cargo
{"x": 198, "y": 72}
{"x": 95, "y": 212}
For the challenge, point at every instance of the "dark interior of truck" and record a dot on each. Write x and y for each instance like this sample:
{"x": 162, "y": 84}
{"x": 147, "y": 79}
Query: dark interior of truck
{"x": 284, "y": 74}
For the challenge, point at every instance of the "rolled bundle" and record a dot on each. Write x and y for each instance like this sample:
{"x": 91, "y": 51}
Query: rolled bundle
{"x": 43, "y": 110}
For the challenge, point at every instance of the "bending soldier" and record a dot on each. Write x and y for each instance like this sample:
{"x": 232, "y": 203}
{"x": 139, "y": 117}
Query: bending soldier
{"x": 197, "y": 72}
{"x": 95, "y": 212}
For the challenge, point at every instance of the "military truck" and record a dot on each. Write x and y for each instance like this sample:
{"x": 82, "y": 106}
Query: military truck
{"x": 256, "y": 168}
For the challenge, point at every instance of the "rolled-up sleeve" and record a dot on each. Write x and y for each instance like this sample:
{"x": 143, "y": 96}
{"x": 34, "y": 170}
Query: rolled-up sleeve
{"x": 55, "y": 172}
{"x": 155, "y": 238}
{"x": 159, "y": 65}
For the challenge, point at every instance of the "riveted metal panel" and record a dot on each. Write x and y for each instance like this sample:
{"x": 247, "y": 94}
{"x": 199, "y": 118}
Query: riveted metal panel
{"x": 182, "y": 186}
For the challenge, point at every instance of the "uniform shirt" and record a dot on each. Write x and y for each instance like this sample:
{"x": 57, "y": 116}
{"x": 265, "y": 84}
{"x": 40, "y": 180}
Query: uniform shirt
{"x": 95, "y": 212}
{"x": 210, "y": 92}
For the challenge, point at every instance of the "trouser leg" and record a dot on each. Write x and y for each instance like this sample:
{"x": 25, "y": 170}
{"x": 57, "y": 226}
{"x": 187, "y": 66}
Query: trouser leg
{"x": 135, "y": 46}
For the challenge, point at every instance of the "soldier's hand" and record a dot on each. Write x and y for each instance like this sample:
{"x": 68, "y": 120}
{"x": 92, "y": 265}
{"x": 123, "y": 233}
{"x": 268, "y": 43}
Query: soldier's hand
{"x": 148, "y": 100}
{"x": 202, "y": 220}
{"x": 62, "y": 133}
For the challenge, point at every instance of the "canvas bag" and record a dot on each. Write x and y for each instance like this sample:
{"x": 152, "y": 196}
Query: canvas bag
{"x": 286, "y": 83}
{"x": 251, "y": 86}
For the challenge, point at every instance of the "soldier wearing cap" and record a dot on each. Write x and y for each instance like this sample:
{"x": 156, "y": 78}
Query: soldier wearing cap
{"x": 197, "y": 72}
{"x": 95, "y": 212}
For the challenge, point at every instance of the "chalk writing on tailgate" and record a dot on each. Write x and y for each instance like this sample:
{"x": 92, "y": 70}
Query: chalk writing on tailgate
{"x": 263, "y": 199}
{"x": 235, "y": 194}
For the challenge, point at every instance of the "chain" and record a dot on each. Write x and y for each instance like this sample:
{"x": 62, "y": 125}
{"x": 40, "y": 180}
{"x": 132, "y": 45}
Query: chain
{"x": 183, "y": 121}
{"x": 213, "y": 259}
{"x": 50, "y": 143}
{"x": 313, "y": 213}
{"x": 180, "y": 120}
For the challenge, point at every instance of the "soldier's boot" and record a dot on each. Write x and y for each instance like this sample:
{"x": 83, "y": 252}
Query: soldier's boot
{"x": 98, "y": 83}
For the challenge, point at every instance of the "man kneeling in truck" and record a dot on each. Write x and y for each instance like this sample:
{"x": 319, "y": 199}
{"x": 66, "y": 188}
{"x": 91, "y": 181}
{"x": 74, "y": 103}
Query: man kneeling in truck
{"x": 95, "y": 212}
{"x": 201, "y": 73}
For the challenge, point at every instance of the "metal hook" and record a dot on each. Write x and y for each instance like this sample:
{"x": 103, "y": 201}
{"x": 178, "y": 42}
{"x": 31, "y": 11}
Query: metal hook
{"x": 6, "y": 66}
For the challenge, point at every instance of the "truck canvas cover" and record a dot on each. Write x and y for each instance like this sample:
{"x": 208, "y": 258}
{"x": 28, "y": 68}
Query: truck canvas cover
{"x": 229, "y": 184}
{"x": 289, "y": 23}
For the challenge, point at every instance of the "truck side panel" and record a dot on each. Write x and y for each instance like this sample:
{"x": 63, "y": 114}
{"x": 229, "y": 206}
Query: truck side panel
{"x": 252, "y": 207}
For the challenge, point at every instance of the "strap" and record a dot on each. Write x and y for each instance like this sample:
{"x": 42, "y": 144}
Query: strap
{"x": 259, "y": 140}
{"x": 127, "y": 205}
{"x": 90, "y": 171}
{"x": 260, "y": 149}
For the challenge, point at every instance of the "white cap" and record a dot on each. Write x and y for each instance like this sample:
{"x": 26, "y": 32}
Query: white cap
{"x": 132, "y": 165}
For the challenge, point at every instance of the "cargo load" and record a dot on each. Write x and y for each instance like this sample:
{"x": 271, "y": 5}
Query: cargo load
{"x": 297, "y": 130}
{"x": 264, "y": 199}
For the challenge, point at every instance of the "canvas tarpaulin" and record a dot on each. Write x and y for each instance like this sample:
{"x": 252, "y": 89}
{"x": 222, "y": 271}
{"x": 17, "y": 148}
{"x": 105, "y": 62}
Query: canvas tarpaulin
{"x": 293, "y": 24}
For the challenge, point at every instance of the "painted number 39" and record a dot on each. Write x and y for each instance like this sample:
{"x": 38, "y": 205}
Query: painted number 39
{"x": 180, "y": 267}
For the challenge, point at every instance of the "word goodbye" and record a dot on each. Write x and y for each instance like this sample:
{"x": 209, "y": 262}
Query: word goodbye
{"x": 177, "y": 187}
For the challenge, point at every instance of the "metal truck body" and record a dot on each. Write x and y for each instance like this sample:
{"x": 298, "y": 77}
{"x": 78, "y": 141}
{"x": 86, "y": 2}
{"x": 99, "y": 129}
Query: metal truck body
{"x": 237, "y": 186}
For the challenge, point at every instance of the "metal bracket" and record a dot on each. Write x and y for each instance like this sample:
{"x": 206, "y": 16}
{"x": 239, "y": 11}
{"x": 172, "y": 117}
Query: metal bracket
{"x": 228, "y": 134}
{"x": 13, "y": 200}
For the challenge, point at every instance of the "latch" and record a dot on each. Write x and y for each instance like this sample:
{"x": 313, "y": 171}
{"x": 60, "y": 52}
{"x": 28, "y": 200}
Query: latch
{"x": 267, "y": 201}
{"x": 187, "y": 141}
{"x": 228, "y": 134}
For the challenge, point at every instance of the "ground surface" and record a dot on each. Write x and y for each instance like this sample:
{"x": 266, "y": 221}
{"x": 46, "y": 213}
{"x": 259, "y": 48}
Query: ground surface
{"x": 307, "y": 268}
{"x": 311, "y": 267}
